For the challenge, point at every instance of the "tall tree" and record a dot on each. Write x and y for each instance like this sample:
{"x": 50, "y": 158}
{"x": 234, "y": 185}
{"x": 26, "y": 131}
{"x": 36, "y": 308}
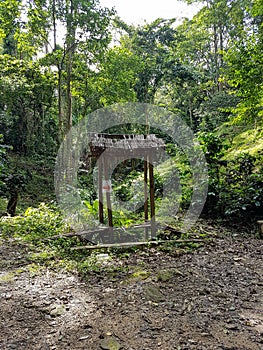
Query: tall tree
{"x": 26, "y": 103}
{"x": 152, "y": 43}
{"x": 245, "y": 67}
{"x": 86, "y": 35}
{"x": 31, "y": 28}
{"x": 23, "y": 27}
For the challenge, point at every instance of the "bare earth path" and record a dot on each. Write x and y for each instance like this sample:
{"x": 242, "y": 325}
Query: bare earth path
{"x": 208, "y": 299}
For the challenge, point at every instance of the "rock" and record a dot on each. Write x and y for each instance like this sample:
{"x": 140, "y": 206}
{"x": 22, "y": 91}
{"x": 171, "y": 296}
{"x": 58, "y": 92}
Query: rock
{"x": 232, "y": 308}
{"x": 102, "y": 257}
{"x": 84, "y": 337}
{"x": 164, "y": 275}
{"x": 57, "y": 310}
{"x": 110, "y": 343}
{"x": 153, "y": 293}
{"x": 231, "y": 326}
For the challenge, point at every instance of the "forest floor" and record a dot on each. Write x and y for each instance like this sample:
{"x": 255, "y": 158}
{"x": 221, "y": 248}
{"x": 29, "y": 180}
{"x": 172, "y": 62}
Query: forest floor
{"x": 209, "y": 298}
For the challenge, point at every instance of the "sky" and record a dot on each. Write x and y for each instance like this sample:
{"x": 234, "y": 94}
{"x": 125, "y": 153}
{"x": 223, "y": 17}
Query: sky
{"x": 136, "y": 11}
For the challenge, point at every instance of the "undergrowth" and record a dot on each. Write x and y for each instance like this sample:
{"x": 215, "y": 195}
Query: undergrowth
{"x": 36, "y": 229}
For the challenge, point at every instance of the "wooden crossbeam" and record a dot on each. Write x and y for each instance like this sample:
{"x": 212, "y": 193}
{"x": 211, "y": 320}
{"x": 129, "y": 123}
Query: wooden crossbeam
{"x": 133, "y": 244}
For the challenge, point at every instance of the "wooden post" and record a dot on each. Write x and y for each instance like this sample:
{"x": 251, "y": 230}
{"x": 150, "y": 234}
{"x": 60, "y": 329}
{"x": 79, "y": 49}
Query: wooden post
{"x": 151, "y": 178}
{"x": 100, "y": 167}
{"x": 146, "y": 214}
{"x": 108, "y": 200}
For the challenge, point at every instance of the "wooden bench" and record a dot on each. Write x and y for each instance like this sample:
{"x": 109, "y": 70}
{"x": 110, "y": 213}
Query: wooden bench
{"x": 260, "y": 226}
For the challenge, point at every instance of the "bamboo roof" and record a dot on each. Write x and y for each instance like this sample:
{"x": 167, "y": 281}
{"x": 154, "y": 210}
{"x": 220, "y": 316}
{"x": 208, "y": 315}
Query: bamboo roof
{"x": 117, "y": 143}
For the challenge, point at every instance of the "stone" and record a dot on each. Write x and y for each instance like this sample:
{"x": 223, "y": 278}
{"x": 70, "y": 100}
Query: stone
{"x": 164, "y": 275}
{"x": 57, "y": 310}
{"x": 110, "y": 343}
{"x": 153, "y": 293}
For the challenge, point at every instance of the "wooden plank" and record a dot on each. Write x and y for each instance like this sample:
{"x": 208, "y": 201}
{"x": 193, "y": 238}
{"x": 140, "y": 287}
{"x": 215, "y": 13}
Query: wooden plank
{"x": 141, "y": 225}
{"x": 133, "y": 244}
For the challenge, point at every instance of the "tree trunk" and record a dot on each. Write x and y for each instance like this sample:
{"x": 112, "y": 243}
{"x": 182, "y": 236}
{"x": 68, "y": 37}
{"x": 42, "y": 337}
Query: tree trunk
{"x": 216, "y": 68}
{"x": 12, "y": 203}
{"x": 70, "y": 50}
{"x": 220, "y": 56}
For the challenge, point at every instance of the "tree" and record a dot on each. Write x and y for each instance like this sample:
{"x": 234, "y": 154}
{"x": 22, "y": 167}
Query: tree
{"x": 23, "y": 27}
{"x": 27, "y": 118}
{"x": 118, "y": 76}
{"x": 204, "y": 44}
{"x": 86, "y": 36}
{"x": 245, "y": 70}
{"x": 26, "y": 29}
{"x": 152, "y": 44}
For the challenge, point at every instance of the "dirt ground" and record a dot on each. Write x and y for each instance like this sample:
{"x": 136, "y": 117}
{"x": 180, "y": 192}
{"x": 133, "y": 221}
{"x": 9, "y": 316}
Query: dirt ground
{"x": 211, "y": 298}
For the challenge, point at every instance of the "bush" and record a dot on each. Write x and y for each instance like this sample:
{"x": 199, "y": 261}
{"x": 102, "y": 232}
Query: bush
{"x": 242, "y": 187}
{"x": 36, "y": 223}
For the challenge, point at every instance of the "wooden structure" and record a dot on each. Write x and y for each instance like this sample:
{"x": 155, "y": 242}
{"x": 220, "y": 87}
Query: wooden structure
{"x": 106, "y": 149}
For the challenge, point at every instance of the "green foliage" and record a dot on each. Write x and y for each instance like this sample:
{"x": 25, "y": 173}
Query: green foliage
{"x": 26, "y": 103}
{"x": 23, "y": 26}
{"x": 118, "y": 75}
{"x": 242, "y": 187}
{"x": 236, "y": 185}
{"x": 15, "y": 182}
{"x": 34, "y": 224}
{"x": 2, "y": 160}
{"x": 212, "y": 146}
{"x": 213, "y": 150}
{"x": 208, "y": 70}
{"x": 152, "y": 44}
{"x": 244, "y": 67}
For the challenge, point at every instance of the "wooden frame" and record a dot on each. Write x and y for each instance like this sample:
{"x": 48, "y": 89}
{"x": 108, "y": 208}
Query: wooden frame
{"x": 137, "y": 146}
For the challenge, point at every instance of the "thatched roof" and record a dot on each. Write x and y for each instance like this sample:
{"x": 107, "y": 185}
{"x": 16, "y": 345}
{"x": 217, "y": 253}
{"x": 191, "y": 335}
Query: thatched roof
{"x": 123, "y": 142}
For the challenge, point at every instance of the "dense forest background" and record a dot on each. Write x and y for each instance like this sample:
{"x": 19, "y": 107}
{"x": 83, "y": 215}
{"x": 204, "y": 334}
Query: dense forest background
{"x": 62, "y": 59}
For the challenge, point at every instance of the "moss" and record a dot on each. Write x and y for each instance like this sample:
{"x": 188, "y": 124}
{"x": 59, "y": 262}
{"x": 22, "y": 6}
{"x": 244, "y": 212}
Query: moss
{"x": 164, "y": 275}
{"x": 7, "y": 277}
{"x": 140, "y": 275}
{"x": 35, "y": 269}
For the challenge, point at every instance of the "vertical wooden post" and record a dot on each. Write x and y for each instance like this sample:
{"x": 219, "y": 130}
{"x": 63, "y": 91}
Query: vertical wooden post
{"x": 108, "y": 200}
{"x": 146, "y": 216}
{"x": 151, "y": 178}
{"x": 100, "y": 169}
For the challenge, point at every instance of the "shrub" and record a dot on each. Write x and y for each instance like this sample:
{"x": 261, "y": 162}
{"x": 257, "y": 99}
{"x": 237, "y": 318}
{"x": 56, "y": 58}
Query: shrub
{"x": 242, "y": 187}
{"x": 36, "y": 223}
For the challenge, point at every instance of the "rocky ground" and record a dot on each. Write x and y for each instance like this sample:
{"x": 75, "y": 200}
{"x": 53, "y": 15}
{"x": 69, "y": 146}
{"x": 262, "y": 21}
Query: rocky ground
{"x": 211, "y": 298}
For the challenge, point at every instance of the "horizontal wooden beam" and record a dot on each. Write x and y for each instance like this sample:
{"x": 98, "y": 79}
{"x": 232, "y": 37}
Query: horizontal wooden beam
{"x": 133, "y": 244}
